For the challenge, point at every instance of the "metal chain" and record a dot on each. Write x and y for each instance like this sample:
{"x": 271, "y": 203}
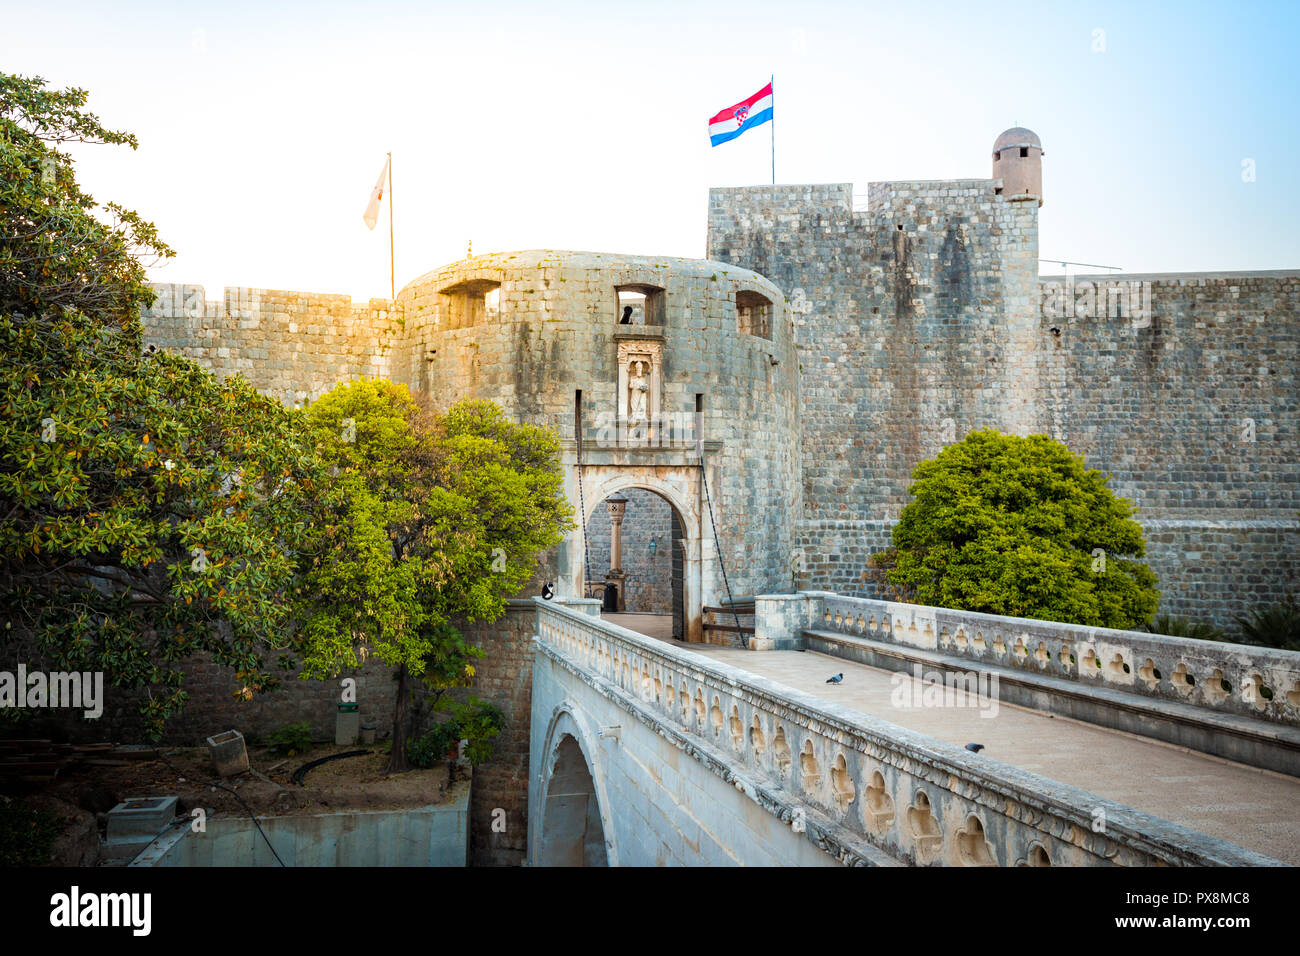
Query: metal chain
{"x": 717, "y": 545}
{"x": 582, "y": 504}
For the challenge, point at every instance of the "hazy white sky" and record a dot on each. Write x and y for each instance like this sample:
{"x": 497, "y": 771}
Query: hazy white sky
{"x": 262, "y": 126}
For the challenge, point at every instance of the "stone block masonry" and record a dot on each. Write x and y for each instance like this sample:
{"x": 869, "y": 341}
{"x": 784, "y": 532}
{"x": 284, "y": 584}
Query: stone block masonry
{"x": 1194, "y": 411}
{"x": 499, "y": 803}
{"x": 214, "y": 705}
{"x": 293, "y": 345}
{"x": 923, "y": 318}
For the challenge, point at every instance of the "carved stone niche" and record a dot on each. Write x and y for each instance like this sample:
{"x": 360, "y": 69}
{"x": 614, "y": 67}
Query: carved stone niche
{"x": 640, "y": 366}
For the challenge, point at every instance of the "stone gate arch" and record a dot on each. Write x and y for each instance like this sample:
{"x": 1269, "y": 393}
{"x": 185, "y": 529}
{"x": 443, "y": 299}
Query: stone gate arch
{"x": 679, "y": 486}
{"x": 572, "y": 824}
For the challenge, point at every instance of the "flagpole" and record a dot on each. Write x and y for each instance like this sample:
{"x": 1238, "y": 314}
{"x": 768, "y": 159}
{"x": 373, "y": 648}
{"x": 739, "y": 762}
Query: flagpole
{"x": 772, "y": 83}
{"x": 392, "y": 265}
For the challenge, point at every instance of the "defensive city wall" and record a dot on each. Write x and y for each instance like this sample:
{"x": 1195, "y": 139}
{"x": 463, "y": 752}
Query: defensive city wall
{"x": 923, "y": 317}
{"x": 815, "y": 357}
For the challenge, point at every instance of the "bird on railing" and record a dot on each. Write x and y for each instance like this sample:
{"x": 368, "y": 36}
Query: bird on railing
{"x": 974, "y": 748}
{"x": 835, "y": 680}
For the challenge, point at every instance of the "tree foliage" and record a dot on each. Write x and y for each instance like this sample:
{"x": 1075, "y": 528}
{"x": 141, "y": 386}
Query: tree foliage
{"x": 147, "y": 511}
{"x": 431, "y": 519}
{"x": 56, "y": 254}
{"x": 1019, "y": 526}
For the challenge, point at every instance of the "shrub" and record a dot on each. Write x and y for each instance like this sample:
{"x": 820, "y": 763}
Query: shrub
{"x": 436, "y": 744}
{"x": 476, "y": 722}
{"x": 480, "y": 723}
{"x": 290, "y": 739}
{"x": 26, "y": 834}
{"x": 1172, "y": 626}
{"x": 1275, "y": 626}
{"x": 1019, "y": 526}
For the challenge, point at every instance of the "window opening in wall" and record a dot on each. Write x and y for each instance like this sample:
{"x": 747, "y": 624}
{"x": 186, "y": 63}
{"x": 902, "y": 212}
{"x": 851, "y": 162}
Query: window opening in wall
{"x": 754, "y": 314}
{"x": 640, "y": 305}
{"x": 472, "y": 302}
{"x": 1024, "y": 151}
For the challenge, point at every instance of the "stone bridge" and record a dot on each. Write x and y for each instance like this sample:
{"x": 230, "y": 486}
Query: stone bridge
{"x": 1105, "y": 747}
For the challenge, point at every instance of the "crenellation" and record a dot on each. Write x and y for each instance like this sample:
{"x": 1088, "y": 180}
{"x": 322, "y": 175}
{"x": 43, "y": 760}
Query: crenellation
{"x": 922, "y": 317}
{"x": 836, "y": 346}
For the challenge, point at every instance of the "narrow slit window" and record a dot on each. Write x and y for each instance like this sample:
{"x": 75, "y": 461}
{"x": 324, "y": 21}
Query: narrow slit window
{"x": 577, "y": 419}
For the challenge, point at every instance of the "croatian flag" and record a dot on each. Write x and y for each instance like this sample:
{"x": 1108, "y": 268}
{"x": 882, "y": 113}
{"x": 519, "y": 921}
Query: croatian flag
{"x": 745, "y": 115}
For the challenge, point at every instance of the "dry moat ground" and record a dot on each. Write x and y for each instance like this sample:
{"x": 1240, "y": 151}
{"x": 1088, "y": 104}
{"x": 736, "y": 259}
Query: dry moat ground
{"x": 354, "y": 783}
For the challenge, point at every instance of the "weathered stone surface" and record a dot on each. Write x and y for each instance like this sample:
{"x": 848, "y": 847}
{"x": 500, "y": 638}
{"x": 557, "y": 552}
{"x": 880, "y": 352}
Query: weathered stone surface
{"x": 760, "y": 773}
{"x": 923, "y": 317}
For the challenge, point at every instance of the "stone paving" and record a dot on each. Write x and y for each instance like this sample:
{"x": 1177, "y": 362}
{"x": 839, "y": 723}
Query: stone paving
{"x": 1256, "y": 809}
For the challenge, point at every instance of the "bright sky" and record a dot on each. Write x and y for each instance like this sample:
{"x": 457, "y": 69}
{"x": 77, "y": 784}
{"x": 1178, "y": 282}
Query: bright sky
{"x": 263, "y": 126}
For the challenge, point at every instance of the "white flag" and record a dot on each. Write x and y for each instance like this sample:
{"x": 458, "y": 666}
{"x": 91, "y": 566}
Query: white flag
{"x": 376, "y": 194}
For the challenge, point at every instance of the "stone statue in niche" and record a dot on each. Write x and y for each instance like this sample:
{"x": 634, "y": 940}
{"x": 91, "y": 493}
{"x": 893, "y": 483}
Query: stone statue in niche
{"x": 638, "y": 387}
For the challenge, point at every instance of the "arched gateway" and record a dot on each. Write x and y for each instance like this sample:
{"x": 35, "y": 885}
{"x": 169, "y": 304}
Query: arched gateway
{"x": 677, "y": 484}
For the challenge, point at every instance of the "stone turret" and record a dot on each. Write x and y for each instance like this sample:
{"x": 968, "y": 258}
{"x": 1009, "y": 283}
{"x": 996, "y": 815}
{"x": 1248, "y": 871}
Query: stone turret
{"x": 1018, "y": 162}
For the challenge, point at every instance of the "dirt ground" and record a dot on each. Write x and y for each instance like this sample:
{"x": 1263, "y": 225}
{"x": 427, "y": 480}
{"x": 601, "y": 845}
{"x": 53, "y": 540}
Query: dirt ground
{"x": 352, "y": 783}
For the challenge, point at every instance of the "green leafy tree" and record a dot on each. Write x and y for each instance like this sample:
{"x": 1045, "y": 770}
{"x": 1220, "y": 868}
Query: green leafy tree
{"x": 431, "y": 518}
{"x": 1019, "y": 526}
{"x": 147, "y": 511}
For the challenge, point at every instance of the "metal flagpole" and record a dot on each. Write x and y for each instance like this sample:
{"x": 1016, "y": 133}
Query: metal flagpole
{"x": 772, "y": 123}
{"x": 392, "y": 266}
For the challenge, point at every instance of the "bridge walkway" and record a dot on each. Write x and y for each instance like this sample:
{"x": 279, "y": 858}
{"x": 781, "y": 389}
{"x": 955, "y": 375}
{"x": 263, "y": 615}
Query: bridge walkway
{"x": 1253, "y": 808}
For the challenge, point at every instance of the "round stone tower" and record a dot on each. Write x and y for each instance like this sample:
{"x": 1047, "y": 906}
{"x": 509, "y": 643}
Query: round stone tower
{"x": 1018, "y": 162}
{"x": 648, "y": 362}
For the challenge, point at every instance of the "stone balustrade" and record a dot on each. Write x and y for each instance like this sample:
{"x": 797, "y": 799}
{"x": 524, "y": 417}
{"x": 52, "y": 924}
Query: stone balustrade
{"x": 1257, "y": 682}
{"x": 862, "y": 789}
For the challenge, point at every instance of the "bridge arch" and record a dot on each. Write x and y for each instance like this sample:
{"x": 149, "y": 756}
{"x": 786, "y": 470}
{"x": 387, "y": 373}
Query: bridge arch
{"x": 572, "y": 826}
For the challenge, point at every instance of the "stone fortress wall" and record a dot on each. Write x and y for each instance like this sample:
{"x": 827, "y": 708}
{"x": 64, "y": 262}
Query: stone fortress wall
{"x": 924, "y": 317}
{"x": 1182, "y": 387}
{"x": 294, "y": 345}
{"x": 553, "y": 330}
{"x": 528, "y": 330}
{"x": 549, "y": 331}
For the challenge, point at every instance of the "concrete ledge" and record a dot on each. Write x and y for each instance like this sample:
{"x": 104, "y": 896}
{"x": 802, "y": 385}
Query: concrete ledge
{"x": 1247, "y": 741}
{"x": 416, "y": 836}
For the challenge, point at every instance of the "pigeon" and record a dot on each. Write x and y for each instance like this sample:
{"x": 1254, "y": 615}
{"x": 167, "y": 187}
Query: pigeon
{"x": 548, "y": 591}
{"x": 974, "y": 748}
{"x": 835, "y": 680}
{"x": 627, "y": 316}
